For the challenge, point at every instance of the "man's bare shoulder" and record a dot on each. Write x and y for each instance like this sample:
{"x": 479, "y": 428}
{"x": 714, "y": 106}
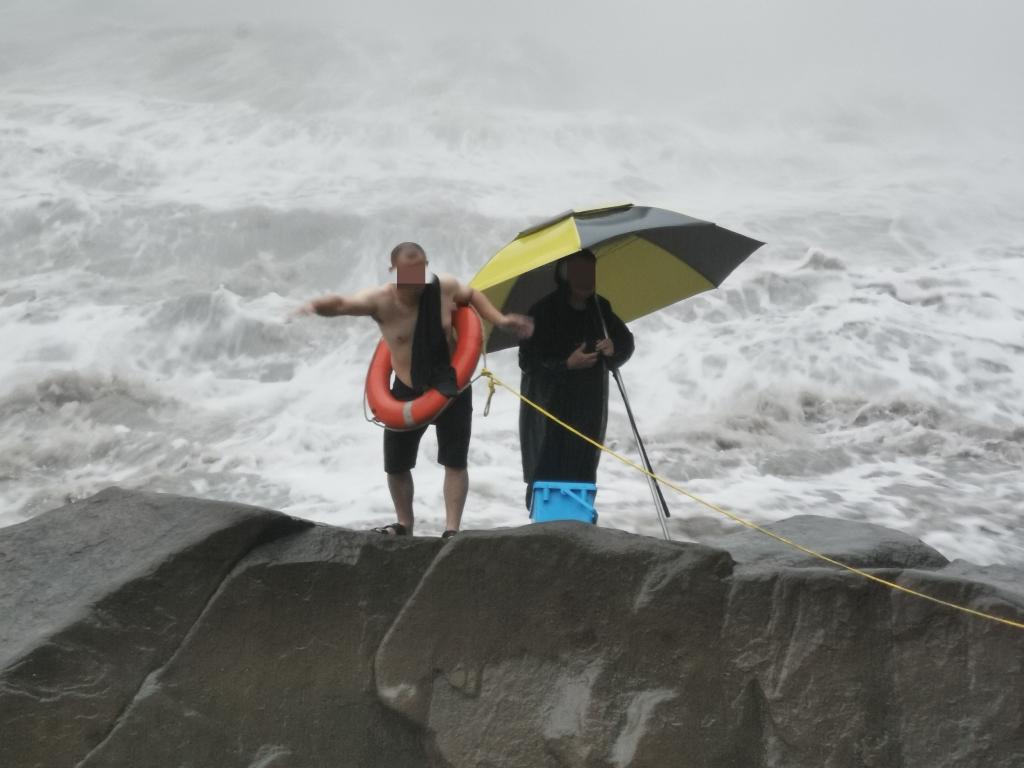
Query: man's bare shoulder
{"x": 378, "y": 293}
{"x": 373, "y": 300}
{"x": 455, "y": 289}
{"x": 449, "y": 282}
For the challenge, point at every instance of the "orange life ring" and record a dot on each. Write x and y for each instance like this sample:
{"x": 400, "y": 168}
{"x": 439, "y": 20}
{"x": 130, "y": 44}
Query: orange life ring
{"x": 401, "y": 415}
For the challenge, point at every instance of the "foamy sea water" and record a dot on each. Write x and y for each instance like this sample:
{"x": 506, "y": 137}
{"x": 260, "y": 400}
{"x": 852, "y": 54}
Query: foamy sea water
{"x": 170, "y": 194}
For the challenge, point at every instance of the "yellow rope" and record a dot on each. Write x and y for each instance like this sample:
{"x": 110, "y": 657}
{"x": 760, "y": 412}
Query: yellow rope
{"x": 493, "y": 380}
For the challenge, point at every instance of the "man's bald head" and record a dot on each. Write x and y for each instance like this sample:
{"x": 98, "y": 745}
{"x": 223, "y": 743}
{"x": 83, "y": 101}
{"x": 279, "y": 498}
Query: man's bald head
{"x": 402, "y": 249}
{"x": 409, "y": 260}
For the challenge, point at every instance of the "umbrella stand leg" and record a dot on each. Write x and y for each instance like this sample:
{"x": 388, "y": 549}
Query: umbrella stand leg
{"x": 660, "y": 505}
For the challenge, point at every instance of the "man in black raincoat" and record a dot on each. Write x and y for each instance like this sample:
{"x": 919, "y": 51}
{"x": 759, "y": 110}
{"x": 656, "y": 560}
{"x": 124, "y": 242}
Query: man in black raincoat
{"x": 565, "y": 370}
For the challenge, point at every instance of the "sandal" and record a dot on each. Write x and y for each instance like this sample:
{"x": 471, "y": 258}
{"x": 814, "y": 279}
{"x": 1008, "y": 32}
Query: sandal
{"x": 448, "y": 534}
{"x": 391, "y": 529}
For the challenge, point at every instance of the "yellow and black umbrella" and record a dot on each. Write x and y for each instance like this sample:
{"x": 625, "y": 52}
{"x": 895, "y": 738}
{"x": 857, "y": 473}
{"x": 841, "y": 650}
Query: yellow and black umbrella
{"x": 647, "y": 259}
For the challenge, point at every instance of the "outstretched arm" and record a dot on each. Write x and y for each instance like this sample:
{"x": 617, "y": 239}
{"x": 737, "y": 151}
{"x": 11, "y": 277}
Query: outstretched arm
{"x": 520, "y": 326}
{"x": 362, "y": 303}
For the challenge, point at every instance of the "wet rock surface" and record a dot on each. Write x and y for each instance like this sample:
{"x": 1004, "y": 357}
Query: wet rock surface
{"x": 144, "y": 629}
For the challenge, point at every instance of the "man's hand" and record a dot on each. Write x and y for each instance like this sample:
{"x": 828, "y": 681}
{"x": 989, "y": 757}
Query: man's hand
{"x": 304, "y": 311}
{"x": 605, "y": 347}
{"x": 520, "y": 326}
{"x": 580, "y": 359}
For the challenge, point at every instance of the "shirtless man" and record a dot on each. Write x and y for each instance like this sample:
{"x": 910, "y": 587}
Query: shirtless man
{"x": 395, "y": 306}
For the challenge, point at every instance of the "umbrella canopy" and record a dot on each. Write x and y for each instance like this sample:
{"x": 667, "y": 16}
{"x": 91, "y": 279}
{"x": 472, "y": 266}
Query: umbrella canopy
{"x": 647, "y": 258}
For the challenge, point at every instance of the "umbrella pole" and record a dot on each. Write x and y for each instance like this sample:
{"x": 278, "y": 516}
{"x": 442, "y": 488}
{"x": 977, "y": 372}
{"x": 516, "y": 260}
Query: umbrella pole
{"x": 660, "y": 505}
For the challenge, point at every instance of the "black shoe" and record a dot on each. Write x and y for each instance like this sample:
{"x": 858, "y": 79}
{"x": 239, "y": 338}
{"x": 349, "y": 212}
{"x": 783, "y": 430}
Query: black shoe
{"x": 392, "y": 529}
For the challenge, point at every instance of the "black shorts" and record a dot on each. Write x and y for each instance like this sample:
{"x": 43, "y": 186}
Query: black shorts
{"x": 453, "y": 429}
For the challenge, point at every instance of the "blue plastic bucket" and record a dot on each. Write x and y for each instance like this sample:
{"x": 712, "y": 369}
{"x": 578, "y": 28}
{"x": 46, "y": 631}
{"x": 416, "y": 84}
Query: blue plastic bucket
{"x": 557, "y": 500}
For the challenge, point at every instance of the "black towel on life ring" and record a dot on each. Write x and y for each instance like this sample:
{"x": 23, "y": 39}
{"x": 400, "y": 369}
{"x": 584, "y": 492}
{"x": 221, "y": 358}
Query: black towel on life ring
{"x": 431, "y": 361}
